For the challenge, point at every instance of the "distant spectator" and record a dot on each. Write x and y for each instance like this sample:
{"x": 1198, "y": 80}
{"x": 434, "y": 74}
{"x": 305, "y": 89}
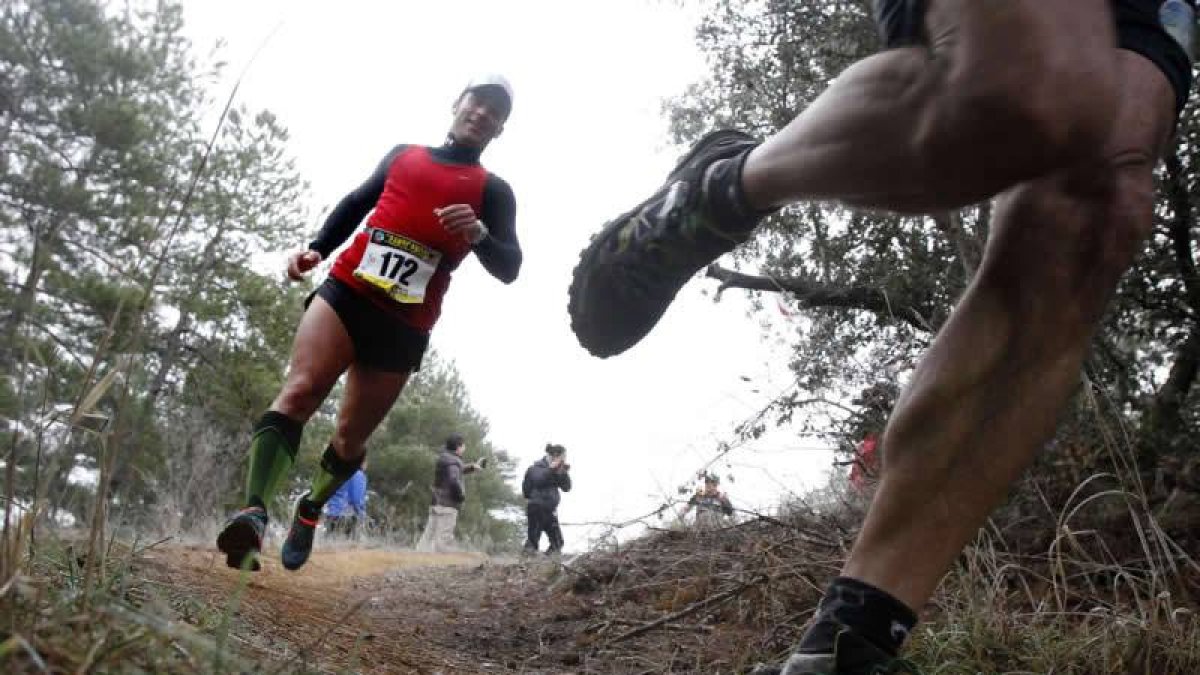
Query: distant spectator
{"x": 347, "y": 508}
{"x": 543, "y": 481}
{"x": 712, "y": 506}
{"x": 866, "y": 463}
{"x": 449, "y": 492}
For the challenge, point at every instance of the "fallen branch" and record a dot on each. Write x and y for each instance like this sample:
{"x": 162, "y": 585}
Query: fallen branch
{"x": 306, "y": 652}
{"x": 690, "y": 609}
{"x": 677, "y": 627}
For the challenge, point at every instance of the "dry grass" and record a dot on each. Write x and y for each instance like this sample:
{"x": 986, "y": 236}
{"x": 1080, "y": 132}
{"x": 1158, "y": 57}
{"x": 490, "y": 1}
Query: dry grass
{"x": 1110, "y": 593}
{"x": 1096, "y": 602}
{"x": 54, "y": 622}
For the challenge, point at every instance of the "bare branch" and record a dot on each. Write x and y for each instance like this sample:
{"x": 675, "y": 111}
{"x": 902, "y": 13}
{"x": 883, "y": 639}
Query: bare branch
{"x": 691, "y": 609}
{"x": 950, "y": 224}
{"x": 816, "y": 294}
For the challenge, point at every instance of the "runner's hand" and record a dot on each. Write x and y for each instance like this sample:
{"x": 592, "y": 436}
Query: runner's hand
{"x": 301, "y": 262}
{"x": 460, "y": 219}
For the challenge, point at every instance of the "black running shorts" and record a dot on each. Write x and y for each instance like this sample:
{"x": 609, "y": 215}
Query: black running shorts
{"x": 1139, "y": 29}
{"x": 381, "y": 341}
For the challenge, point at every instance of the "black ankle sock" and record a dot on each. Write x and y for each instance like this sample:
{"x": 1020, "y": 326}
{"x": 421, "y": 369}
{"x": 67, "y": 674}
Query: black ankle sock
{"x": 308, "y": 508}
{"x": 871, "y": 613}
{"x": 287, "y": 427}
{"x": 331, "y": 474}
{"x": 725, "y": 197}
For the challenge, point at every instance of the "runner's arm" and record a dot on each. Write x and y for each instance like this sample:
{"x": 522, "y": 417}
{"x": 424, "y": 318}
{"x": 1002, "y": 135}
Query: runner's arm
{"x": 349, "y": 212}
{"x": 500, "y": 252}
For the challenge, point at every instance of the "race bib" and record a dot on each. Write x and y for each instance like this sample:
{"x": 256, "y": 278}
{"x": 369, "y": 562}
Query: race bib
{"x": 397, "y": 266}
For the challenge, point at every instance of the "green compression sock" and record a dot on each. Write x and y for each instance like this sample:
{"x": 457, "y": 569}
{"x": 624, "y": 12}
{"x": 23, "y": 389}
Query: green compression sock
{"x": 272, "y": 452}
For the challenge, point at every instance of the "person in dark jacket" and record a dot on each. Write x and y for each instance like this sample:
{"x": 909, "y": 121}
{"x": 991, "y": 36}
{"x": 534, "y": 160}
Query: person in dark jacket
{"x": 449, "y": 492}
{"x": 543, "y": 481}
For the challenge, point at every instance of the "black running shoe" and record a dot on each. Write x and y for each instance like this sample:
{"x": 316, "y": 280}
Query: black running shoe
{"x": 298, "y": 545}
{"x": 852, "y": 655}
{"x": 633, "y": 268}
{"x": 241, "y": 538}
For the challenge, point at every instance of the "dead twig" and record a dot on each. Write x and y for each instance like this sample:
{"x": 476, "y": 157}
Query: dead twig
{"x": 304, "y": 653}
{"x": 691, "y": 609}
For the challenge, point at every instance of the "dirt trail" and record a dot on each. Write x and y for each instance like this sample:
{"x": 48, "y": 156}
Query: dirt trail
{"x": 367, "y": 610}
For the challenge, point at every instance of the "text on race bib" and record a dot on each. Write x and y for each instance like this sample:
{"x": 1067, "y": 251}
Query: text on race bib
{"x": 397, "y": 266}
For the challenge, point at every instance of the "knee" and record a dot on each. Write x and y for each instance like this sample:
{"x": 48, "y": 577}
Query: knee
{"x": 301, "y": 396}
{"x": 1041, "y": 112}
{"x": 1099, "y": 217}
{"x": 1067, "y": 241}
{"x": 1124, "y": 217}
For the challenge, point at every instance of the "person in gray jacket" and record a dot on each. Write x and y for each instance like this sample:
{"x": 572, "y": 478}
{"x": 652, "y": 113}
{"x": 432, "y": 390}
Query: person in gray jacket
{"x": 449, "y": 492}
{"x": 543, "y": 481}
{"x": 713, "y": 508}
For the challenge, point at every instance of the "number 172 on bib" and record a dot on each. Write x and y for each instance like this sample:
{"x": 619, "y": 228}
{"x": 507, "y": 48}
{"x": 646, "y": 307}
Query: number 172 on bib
{"x": 398, "y": 266}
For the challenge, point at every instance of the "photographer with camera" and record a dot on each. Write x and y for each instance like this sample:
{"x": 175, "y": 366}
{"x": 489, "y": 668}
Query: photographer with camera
{"x": 543, "y": 481}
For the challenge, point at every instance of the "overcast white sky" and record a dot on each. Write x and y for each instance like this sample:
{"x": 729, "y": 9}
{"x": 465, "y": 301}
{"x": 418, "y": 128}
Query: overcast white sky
{"x": 586, "y": 141}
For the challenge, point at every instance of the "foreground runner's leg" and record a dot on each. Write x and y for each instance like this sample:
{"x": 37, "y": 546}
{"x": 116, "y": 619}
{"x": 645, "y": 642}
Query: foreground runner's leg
{"x": 909, "y": 129}
{"x": 1008, "y": 359}
{"x": 321, "y": 351}
{"x": 1010, "y": 355}
{"x": 368, "y": 397}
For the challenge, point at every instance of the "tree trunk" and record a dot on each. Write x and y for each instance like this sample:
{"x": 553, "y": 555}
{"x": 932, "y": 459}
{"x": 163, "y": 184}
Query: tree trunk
{"x": 1163, "y": 426}
{"x": 169, "y": 358}
{"x": 24, "y": 302}
{"x": 174, "y": 346}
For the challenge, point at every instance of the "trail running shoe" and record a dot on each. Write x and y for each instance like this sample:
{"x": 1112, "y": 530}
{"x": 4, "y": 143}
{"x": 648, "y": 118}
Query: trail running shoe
{"x": 633, "y": 268}
{"x": 241, "y": 538}
{"x": 852, "y": 655}
{"x": 298, "y": 545}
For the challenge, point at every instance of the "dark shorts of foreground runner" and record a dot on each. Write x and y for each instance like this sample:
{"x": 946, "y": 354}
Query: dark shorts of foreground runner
{"x": 381, "y": 341}
{"x": 1139, "y": 29}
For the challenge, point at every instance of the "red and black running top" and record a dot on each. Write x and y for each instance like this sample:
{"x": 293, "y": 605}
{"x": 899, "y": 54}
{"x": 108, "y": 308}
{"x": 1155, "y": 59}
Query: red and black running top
{"x": 403, "y": 191}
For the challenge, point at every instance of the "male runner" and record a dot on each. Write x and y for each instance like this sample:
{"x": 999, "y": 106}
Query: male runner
{"x": 371, "y": 319}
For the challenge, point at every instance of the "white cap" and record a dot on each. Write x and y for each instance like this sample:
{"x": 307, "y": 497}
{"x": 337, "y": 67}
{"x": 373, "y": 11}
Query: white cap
{"x": 492, "y": 80}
